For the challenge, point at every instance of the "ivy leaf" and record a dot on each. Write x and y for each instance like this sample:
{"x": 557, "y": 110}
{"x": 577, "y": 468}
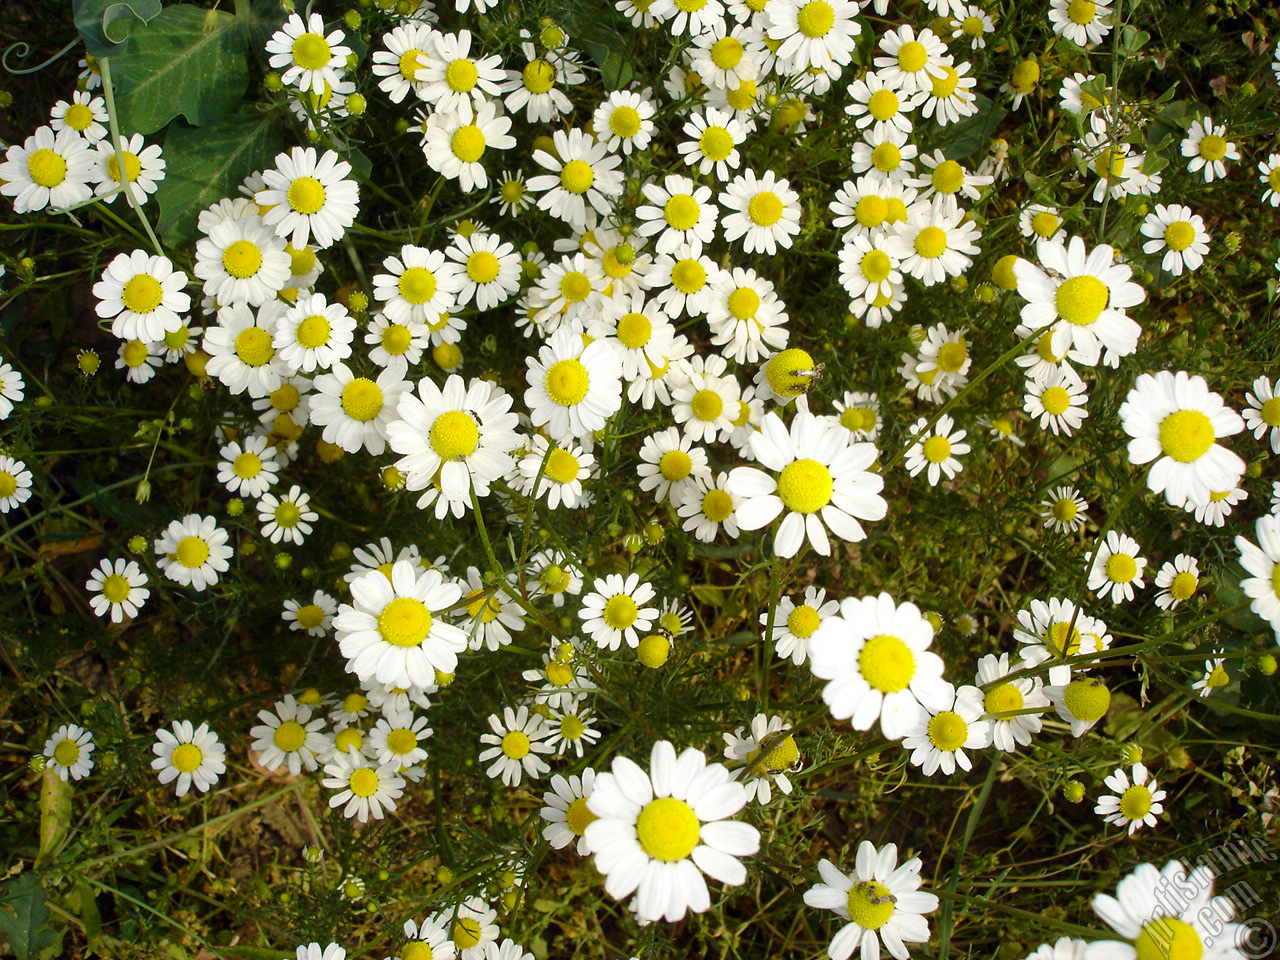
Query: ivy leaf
{"x": 105, "y": 25}
{"x": 24, "y": 918}
{"x": 186, "y": 62}
{"x": 205, "y": 164}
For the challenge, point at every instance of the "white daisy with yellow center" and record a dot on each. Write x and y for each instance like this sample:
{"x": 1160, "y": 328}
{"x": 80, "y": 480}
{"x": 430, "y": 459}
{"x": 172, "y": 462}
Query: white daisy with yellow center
{"x": 614, "y": 611}
{"x": 193, "y": 551}
{"x": 1059, "y": 631}
{"x": 1080, "y": 21}
{"x": 1117, "y": 567}
{"x": 761, "y": 211}
{"x": 286, "y": 518}
{"x": 453, "y": 79}
{"x": 536, "y": 88}
{"x": 242, "y": 261}
{"x": 1209, "y": 149}
{"x": 47, "y": 170}
{"x": 455, "y": 143}
{"x": 712, "y": 144}
{"x": 1009, "y": 704}
{"x": 746, "y": 318}
{"x": 935, "y": 241}
{"x": 289, "y": 738}
{"x": 624, "y": 121}
{"x": 868, "y": 270}
{"x": 69, "y": 752}
{"x": 565, "y": 812}
{"x": 516, "y": 746}
{"x": 313, "y": 618}
{"x": 582, "y": 174}
{"x": 355, "y": 411}
{"x": 489, "y": 270}
{"x": 869, "y": 205}
{"x": 1058, "y": 401}
{"x": 879, "y": 105}
{"x": 314, "y": 334}
{"x": 399, "y": 738}
{"x": 671, "y": 465}
{"x": 143, "y": 169}
{"x": 911, "y": 61}
{"x": 766, "y": 751}
{"x": 574, "y": 388}
{"x": 727, "y": 55}
{"x": 705, "y": 398}
{"x": 556, "y": 472}
{"x": 84, "y": 113}
{"x": 657, "y": 833}
{"x": 1262, "y": 411}
{"x": 679, "y": 212}
{"x": 709, "y": 508}
{"x": 812, "y": 32}
{"x": 418, "y": 286}
{"x": 889, "y": 154}
{"x": 188, "y": 756}
{"x": 310, "y": 197}
{"x": 117, "y": 588}
{"x": 1064, "y": 510}
{"x": 401, "y": 67}
{"x": 364, "y": 789}
{"x": 309, "y": 57}
{"x": 1180, "y": 234}
{"x": 394, "y": 631}
{"x": 950, "y": 724}
{"x": 935, "y": 450}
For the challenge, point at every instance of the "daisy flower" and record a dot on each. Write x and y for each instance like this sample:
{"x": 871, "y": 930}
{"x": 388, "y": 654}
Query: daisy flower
{"x": 513, "y": 197}
{"x": 490, "y": 270}
{"x": 713, "y": 141}
{"x": 70, "y": 752}
{"x": 640, "y": 329}
{"x": 453, "y": 80}
{"x": 762, "y": 212}
{"x": 1177, "y": 580}
{"x": 556, "y": 472}
{"x": 536, "y": 88}
{"x": 566, "y": 815}
{"x": 624, "y": 120}
{"x": 242, "y": 261}
{"x": 193, "y": 551}
{"x": 912, "y": 62}
{"x": 875, "y": 655}
{"x": 877, "y": 105}
{"x": 248, "y": 469}
{"x": 570, "y": 728}
{"x": 746, "y": 318}
{"x": 314, "y": 618}
{"x": 182, "y": 342}
{"x": 144, "y": 296}
{"x": 471, "y": 927}
{"x": 118, "y": 588}
{"x": 694, "y": 17}
{"x": 890, "y": 155}
{"x": 314, "y": 334}
{"x": 418, "y": 286}
{"x": 192, "y": 756}
{"x": 309, "y": 197}
{"x": 1209, "y": 149}
{"x": 1269, "y": 171}
{"x": 1134, "y": 804}
{"x": 454, "y": 143}
{"x": 390, "y": 633}
{"x": 12, "y": 389}
{"x": 934, "y": 242}
{"x": 1263, "y": 587}
{"x": 706, "y": 399}
{"x": 453, "y": 440}
{"x": 1056, "y": 631}
{"x": 140, "y": 358}
{"x": 288, "y": 737}
{"x": 614, "y": 610}
{"x": 426, "y": 935}
{"x": 762, "y": 769}
{"x": 1080, "y": 21}
{"x": 709, "y": 506}
{"x": 309, "y": 57}
{"x": 881, "y": 900}
{"x": 356, "y": 412}
{"x": 1180, "y": 233}
{"x": 1081, "y": 703}
{"x": 1117, "y": 568}
{"x": 84, "y": 113}
{"x": 950, "y": 97}
{"x": 143, "y": 169}
{"x": 494, "y": 613}
{"x": 1081, "y": 296}
{"x": 552, "y": 575}
{"x": 671, "y": 466}
{"x": 15, "y": 483}
{"x": 1176, "y": 418}
{"x": 401, "y": 67}
{"x": 573, "y": 389}
{"x": 398, "y": 737}
{"x": 727, "y": 55}
{"x": 679, "y": 212}
{"x": 820, "y": 481}
{"x": 859, "y": 413}
{"x": 1040, "y": 221}
{"x": 1215, "y": 675}
{"x": 795, "y": 624}
{"x": 949, "y": 724}
{"x": 286, "y": 518}
{"x": 1057, "y": 401}
{"x": 517, "y": 740}
{"x": 47, "y": 170}
{"x": 1219, "y": 506}
{"x": 583, "y": 172}
{"x": 1262, "y": 413}
{"x": 815, "y": 33}
{"x": 364, "y": 789}
{"x": 1002, "y": 696}
{"x": 1064, "y": 510}
{"x": 657, "y": 833}
{"x": 1191, "y": 922}
{"x": 935, "y": 452}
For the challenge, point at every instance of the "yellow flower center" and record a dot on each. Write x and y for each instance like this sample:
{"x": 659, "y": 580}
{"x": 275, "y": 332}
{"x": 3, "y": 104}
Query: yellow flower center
{"x": 1055, "y": 400}
{"x": 707, "y": 405}
{"x": 1087, "y": 700}
{"x": 310, "y": 616}
{"x": 858, "y": 418}
{"x": 289, "y": 736}
{"x": 364, "y": 782}
{"x": 1135, "y": 803}
{"x": 688, "y": 276}
{"x": 886, "y": 663}
{"x": 577, "y": 176}
{"x": 937, "y": 449}
{"x": 945, "y": 85}
{"x": 870, "y": 904}
{"x": 192, "y": 552}
{"x": 515, "y": 745}
{"x": 247, "y": 465}
{"x": 675, "y": 465}
{"x": 306, "y": 195}
{"x": 410, "y": 65}
{"x": 668, "y": 829}
{"x": 972, "y": 26}
{"x": 132, "y": 166}
{"x": 743, "y": 303}
{"x": 948, "y": 177}
{"x": 717, "y": 505}
{"x": 455, "y": 435}
{"x": 1121, "y": 568}
{"x": 177, "y": 339}
{"x": 142, "y": 294}
{"x": 311, "y": 51}
{"x": 571, "y": 727}
{"x": 1213, "y": 147}
{"x": 461, "y": 75}
{"x": 288, "y": 515}
{"x": 716, "y": 143}
{"x": 482, "y": 266}
{"x": 538, "y": 76}
{"x": 242, "y": 259}
{"x": 871, "y": 211}
{"x": 883, "y": 104}
{"x": 465, "y": 933}
{"x": 1002, "y": 699}
{"x": 803, "y": 621}
{"x": 1271, "y": 412}
{"x": 1044, "y": 224}
{"x": 744, "y": 95}
{"x": 567, "y": 382}
{"x": 135, "y": 353}
{"x": 482, "y": 608}
{"x": 912, "y": 56}
{"x": 511, "y": 190}
{"x": 805, "y": 486}
{"x": 790, "y": 372}
{"x": 578, "y": 817}
{"x": 348, "y": 738}
{"x": 66, "y": 753}
{"x": 1179, "y": 235}
{"x": 402, "y": 741}
{"x": 931, "y": 242}
{"x": 115, "y": 587}
{"x": 254, "y": 347}
{"x": 1167, "y": 938}
{"x": 765, "y": 208}
{"x": 681, "y": 212}
{"x": 187, "y": 757}
{"x": 620, "y": 612}
{"x": 313, "y": 331}
{"x": 726, "y": 53}
{"x": 1081, "y": 300}
{"x": 1186, "y": 435}
{"x": 404, "y": 622}
{"x": 78, "y": 117}
{"x": 952, "y": 355}
{"x": 1183, "y": 586}
{"x": 468, "y": 143}
{"x": 886, "y": 157}
{"x": 690, "y": 6}
{"x": 948, "y": 731}
{"x": 554, "y": 579}
{"x": 815, "y": 19}
{"x": 634, "y": 330}
{"x": 1081, "y": 12}
{"x": 361, "y": 399}
{"x": 624, "y": 121}
{"x": 562, "y": 466}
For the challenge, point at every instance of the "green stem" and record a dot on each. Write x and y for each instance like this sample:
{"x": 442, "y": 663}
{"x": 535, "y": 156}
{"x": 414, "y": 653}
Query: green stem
{"x": 105, "y": 66}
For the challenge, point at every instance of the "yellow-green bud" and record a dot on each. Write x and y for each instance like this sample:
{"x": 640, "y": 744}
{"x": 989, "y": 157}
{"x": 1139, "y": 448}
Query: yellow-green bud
{"x": 1073, "y": 790}
{"x": 356, "y": 104}
{"x": 235, "y": 506}
{"x": 1267, "y": 664}
{"x": 1130, "y": 753}
{"x": 273, "y": 82}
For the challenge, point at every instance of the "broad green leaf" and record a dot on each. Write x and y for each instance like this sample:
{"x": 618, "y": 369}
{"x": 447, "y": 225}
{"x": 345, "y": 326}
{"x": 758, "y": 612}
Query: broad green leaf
{"x": 205, "y": 164}
{"x": 24, "y": 918}
{"x": 55, "y": 815}
{"x": 102, "y": 23}
{"x": 186, "y": 62}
